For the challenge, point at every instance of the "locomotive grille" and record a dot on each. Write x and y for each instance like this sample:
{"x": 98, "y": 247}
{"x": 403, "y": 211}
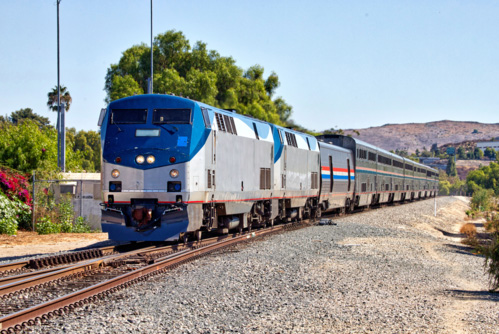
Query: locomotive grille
{"x": 265, "y": 178}
{"x": 315, "y": 180}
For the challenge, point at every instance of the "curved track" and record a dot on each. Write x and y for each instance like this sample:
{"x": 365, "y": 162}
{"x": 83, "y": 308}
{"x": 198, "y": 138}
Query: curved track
{"x": 29, "y": 298}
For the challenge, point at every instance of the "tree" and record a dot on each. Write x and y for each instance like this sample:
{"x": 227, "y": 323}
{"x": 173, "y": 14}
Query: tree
{"x": 435, "y": 150}
{"x": 87, "y": 143}
{"x": 486, "y": 177}
{"x": 197, "y": 73}
{"x": 65, "y": 98}
{"x": 478, "y": 153}
{"x": 451, "y": 169}
{"x": 125, "y": 86}
{"x": 20, "y": 115}
{"x": 461, "y": 153}
{"x": 27, "y": 147}
{"x": 271, "y": 84}
{"x": 490, "y": 153}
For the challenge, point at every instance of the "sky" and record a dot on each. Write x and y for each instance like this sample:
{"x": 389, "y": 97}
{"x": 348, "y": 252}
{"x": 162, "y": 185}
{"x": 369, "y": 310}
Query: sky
{"x": 341, "y": 64}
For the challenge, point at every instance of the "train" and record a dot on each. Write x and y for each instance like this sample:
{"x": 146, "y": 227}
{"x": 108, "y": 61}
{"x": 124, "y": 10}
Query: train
{"x": 174, "y": 168}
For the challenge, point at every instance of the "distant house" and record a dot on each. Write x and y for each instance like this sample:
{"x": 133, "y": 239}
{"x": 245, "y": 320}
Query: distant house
{"x": 486, "y": 144}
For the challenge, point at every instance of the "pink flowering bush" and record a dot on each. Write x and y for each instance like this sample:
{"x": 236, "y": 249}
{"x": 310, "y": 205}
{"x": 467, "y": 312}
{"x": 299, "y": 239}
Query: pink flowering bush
{"x": 15, "y": 185}
{"x": 15, "y": 201}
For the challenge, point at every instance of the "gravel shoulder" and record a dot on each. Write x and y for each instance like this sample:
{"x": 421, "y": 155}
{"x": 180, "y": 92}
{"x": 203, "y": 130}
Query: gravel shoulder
{"x": 395, "y": 270}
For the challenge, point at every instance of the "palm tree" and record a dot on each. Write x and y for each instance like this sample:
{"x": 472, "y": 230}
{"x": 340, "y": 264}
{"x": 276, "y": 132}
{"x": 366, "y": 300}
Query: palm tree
{"x": 65, "y": 98}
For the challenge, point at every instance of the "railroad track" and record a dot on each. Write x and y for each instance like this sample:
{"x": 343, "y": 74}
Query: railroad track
{"x": 19, "y": 267}
{"x": 31, "y": 298}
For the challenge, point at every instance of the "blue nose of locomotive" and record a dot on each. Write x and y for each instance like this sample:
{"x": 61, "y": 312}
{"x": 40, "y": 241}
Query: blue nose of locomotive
{"x": 150, "y": 131}
{"x": 147, "y": 141}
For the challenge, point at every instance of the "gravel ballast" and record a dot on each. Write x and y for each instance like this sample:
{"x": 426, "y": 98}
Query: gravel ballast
{"x": 381, "y": 271}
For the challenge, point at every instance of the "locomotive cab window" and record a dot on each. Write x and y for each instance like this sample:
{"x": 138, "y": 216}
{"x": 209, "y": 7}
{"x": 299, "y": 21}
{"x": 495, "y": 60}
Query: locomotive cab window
{"x": 128, "y": 116}
{"x": 171, "y": 116}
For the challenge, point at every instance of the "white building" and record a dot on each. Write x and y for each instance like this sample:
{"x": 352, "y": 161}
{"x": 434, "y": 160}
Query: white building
{"x": 86, "y": 191}
{"x": 485, "y": 144}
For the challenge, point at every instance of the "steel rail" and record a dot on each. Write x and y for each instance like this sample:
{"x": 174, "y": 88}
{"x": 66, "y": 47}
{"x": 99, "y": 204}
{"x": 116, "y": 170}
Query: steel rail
{"x": 26, "y": 317}
{"x": 29, "y": 280}
{"x": 12, "y": 266}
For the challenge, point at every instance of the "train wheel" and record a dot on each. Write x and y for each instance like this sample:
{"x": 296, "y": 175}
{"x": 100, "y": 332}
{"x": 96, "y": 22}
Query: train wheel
{"x": 318, "y": 212}
{"x": 199, "y": 235}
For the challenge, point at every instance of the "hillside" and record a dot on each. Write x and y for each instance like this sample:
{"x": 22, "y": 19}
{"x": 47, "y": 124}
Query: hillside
{"x": 412, "y": 136}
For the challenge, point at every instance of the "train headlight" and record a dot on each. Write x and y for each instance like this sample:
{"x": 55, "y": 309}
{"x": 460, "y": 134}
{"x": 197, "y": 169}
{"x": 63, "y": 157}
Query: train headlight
{"x": 150, "y": 159}
{"x": 174, "y": 173}
{"x": 115, "y": 173}
{"x": 139, "y": 159}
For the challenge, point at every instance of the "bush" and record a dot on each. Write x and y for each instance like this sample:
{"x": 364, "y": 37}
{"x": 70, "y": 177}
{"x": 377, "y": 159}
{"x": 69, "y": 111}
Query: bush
{"x": 13, "y": 213}
{"x": 45, "y": 226}
{"x": 81, "y": 226}
{"x": 491, "y": 253}
{"x": 469, "y": 230}
{"x": 491, "y": 250}
{"x": 65, "y": 215}
{"x": 481, "y": 200}
{"x": 23, "y": 215}
{"x": 15, "y": 185}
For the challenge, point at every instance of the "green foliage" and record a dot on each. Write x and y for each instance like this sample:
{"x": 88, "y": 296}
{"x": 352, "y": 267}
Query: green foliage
{"x": 491, "y": 250}
{"x": 21, "y": 115}
{"x": 65, "y": 97}
{"x": 46, "y": 226}
{"x": 477, "y": 153}
{"x": 451, "y": 185}
{"x": 8, "y": 213}
{"x": 124, "y": 86}
{"x": 197, "y": 73}
{"x": 27, "y": 147}
{"x": 486, "y": 177}
{"x": 461, "y": 153}
{"x": 86, "y": 145}
{"x": 481, "y": 200}
{"x": 81, "y": 226}
{"x": 23, "y": 214}
{"x": 451, "y": 169}
{"x": 65, "y": 214}
{"x": 13, "y": 213}
{"x": 491, "y": 253}
{"x": 490, "y": 153}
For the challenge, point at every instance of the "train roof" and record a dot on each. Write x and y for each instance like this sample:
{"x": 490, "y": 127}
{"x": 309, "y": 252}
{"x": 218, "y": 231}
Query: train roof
{"x": 362, "y": 143}
{"x": 333, "y": 147}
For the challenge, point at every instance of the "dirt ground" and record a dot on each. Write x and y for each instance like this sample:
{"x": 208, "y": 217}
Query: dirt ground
{"x": 30, "y": 243}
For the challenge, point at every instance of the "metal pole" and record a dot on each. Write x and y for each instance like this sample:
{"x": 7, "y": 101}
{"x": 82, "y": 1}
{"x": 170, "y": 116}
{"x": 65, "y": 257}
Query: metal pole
{"x": 34, "y": 202}
{"x": 59, "y": 140}
{"x": 152, "y": 76}
{"x": 63, "y": 137}
{"x": 435, "y": 205}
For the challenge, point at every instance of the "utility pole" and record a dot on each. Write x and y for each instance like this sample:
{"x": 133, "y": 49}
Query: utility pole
{"x": 150, "y": 90}
{"x": 61, "y": 124}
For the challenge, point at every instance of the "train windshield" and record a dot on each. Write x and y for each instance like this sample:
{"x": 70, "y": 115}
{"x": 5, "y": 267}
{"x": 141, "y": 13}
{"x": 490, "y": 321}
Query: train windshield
{"x": 171, "y": 116}
{"x": 128, "y": 116}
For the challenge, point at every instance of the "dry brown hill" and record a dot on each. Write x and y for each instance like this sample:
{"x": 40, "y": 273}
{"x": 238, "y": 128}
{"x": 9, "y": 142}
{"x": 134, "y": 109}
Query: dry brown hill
{"x": 412, "y": 136}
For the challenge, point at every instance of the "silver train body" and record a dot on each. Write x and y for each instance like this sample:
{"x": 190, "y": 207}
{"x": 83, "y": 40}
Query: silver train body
{"x": 173, "y": 168}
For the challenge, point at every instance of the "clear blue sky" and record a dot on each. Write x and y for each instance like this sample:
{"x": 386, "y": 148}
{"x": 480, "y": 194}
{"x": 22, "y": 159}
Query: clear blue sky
{"x": 346, "y": 64}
